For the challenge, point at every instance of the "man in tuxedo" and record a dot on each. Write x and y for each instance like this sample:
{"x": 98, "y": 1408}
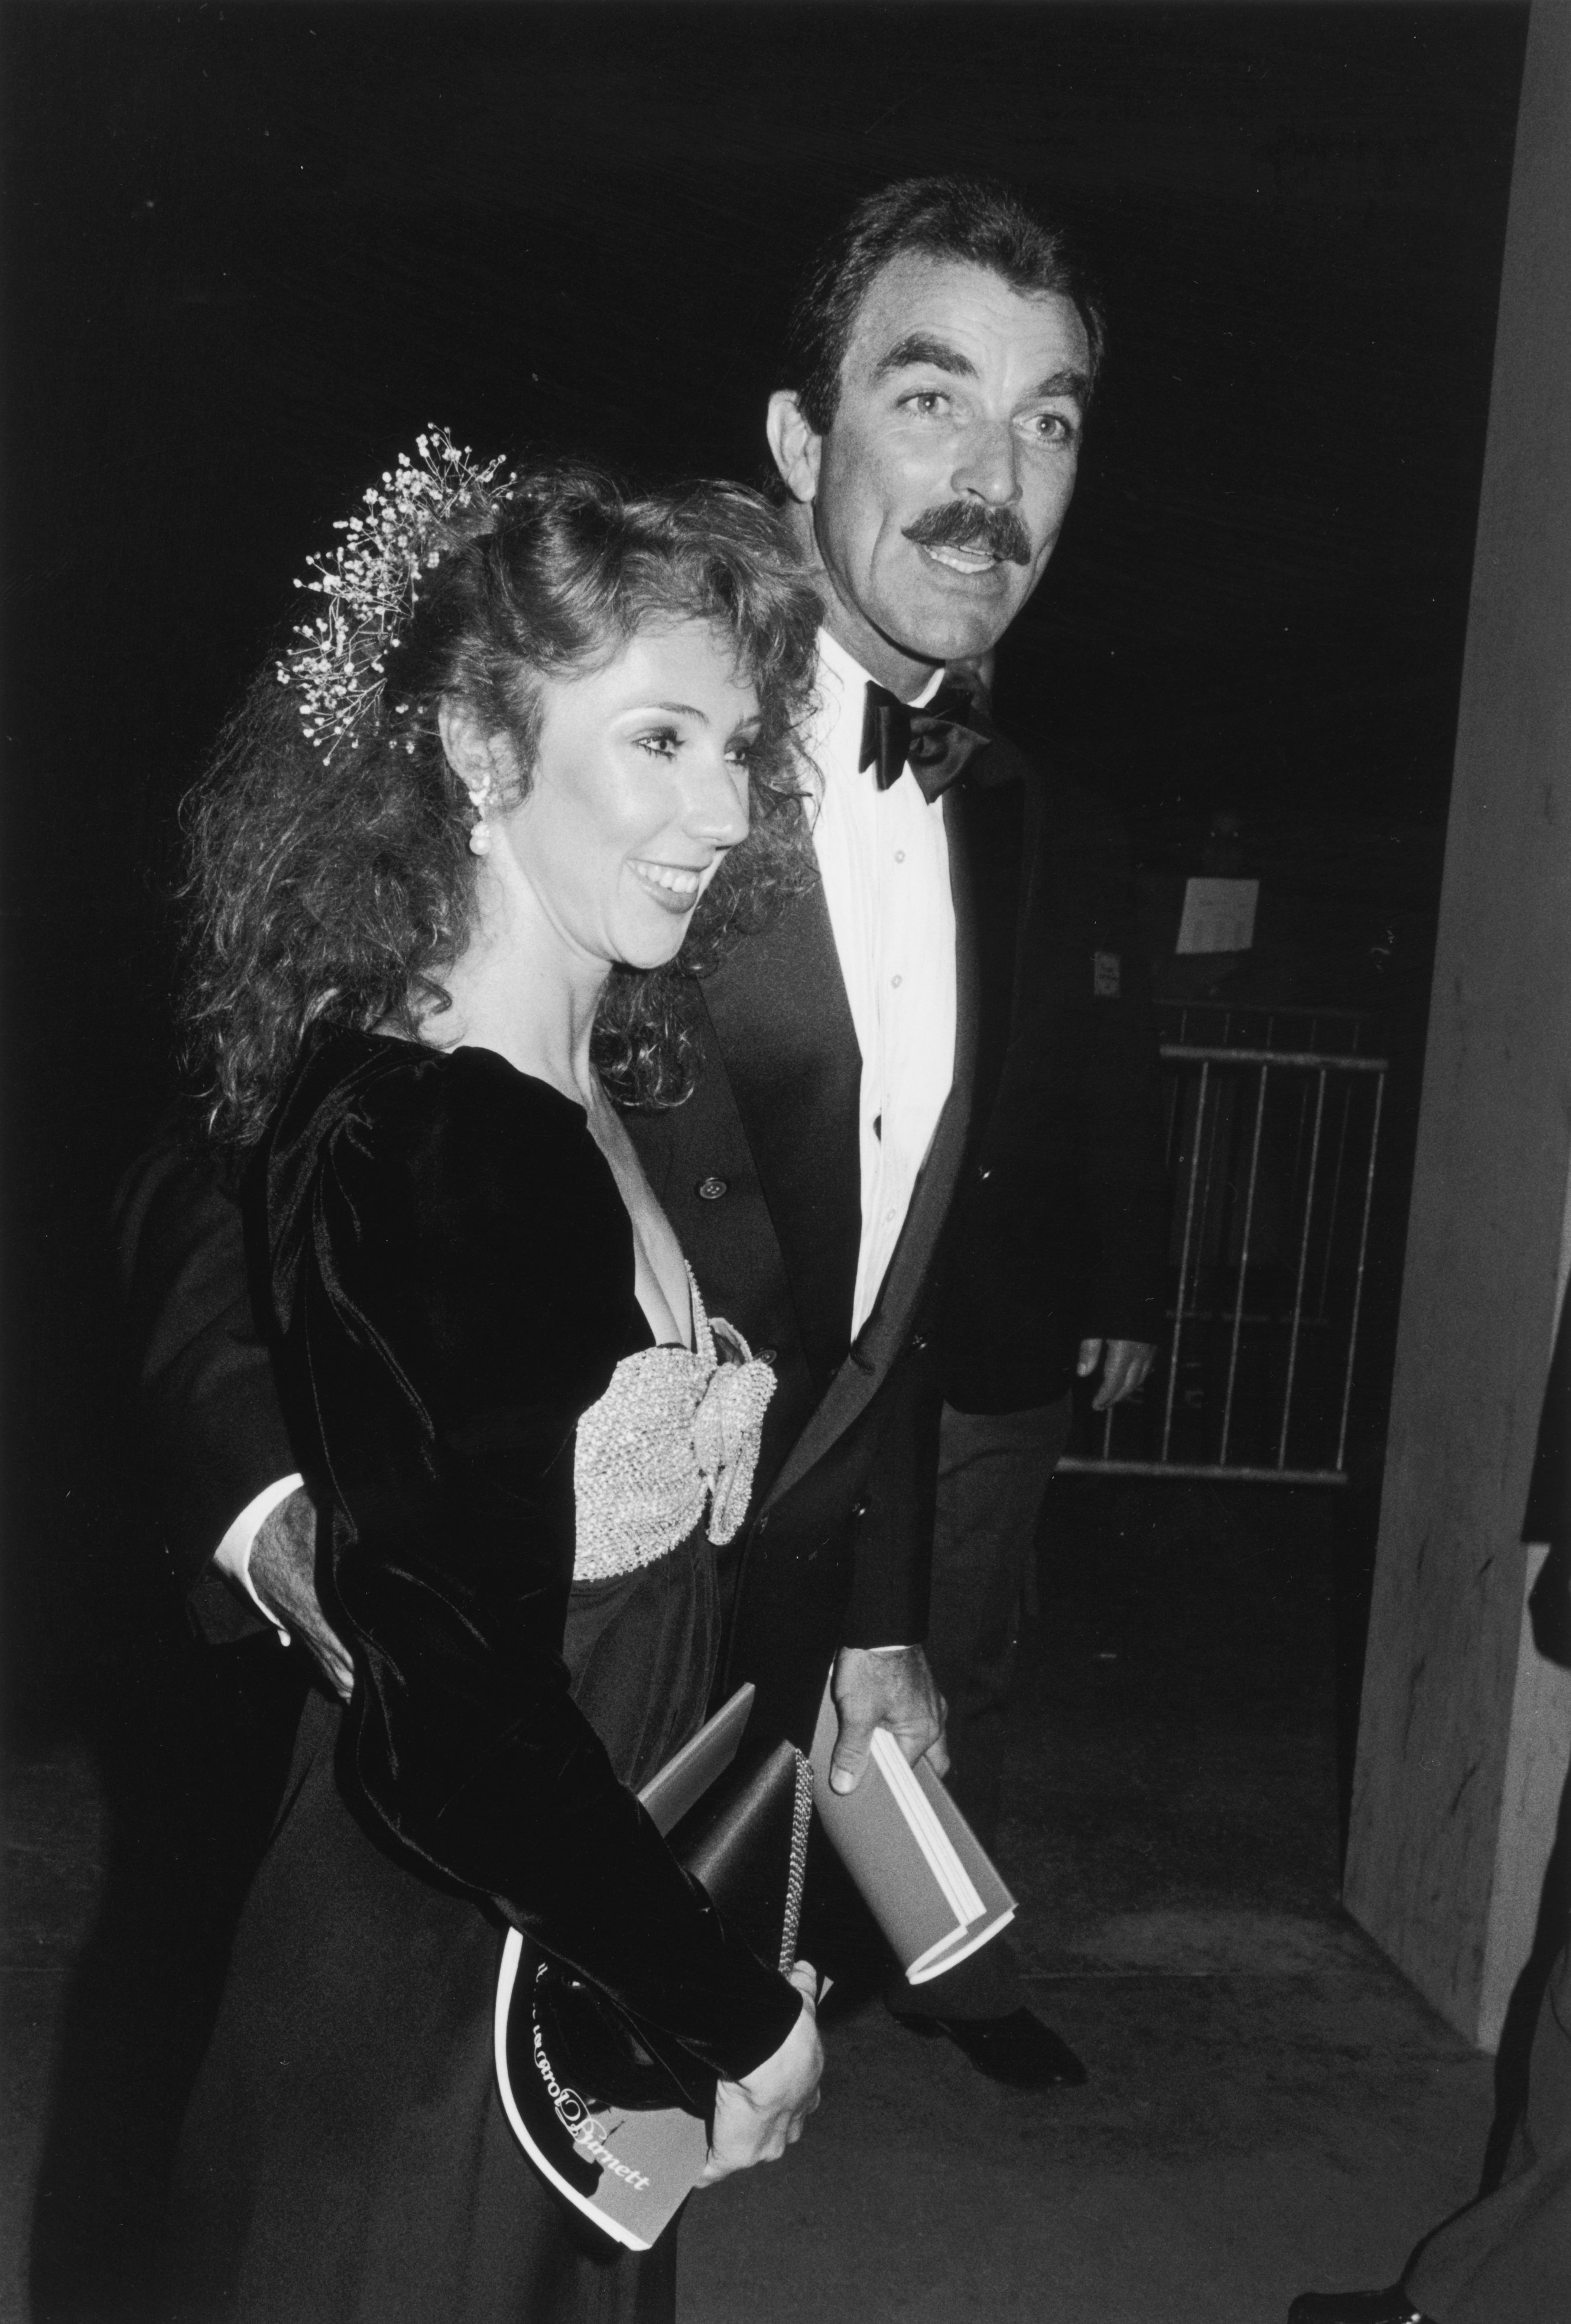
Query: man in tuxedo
{"x": 1052, "y": 1270}
{"x": 942, "y": 357}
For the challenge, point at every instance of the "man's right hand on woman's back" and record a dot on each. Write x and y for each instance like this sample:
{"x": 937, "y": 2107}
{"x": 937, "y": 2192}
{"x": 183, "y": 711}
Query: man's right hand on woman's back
{"x": 283, "y": 1574}
{"x": 759, "y": 2117}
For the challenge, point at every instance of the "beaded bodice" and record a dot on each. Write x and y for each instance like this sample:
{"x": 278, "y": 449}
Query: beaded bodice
{"x": 676, "y": 1430}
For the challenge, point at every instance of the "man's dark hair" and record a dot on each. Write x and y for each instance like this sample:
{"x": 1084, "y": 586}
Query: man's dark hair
{"x": 977, "y": 220}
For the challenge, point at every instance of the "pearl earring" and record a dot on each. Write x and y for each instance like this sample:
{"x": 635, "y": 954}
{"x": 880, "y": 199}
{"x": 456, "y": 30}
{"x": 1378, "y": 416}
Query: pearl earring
{"x": 479, "y": 833}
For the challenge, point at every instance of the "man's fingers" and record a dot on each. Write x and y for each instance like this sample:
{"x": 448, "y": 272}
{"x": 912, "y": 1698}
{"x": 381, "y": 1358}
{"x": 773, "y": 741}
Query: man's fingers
{"x": 1128, "y": 1366}
{"x": 326, "y": 1651}
{"x": 850, "y": 1753}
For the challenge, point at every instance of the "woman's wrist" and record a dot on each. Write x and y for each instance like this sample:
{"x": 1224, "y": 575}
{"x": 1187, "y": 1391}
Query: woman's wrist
{"x": 744, "y": 2057}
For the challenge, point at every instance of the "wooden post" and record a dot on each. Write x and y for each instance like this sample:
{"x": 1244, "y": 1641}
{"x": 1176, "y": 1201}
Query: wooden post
{"x": 1465, "y": 1730}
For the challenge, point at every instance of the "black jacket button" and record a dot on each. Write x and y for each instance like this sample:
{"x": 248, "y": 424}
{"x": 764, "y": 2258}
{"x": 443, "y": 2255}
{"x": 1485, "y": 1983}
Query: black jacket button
{"x": 766, "y": 1355}
{"x": 711, "y": 1189}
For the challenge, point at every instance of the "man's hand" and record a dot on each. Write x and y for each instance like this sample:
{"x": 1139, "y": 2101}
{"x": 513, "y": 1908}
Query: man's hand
{"x": 283, "y": 1574}
{"x": 895, "y": 1689}
{"x": 1127, "y": 1367}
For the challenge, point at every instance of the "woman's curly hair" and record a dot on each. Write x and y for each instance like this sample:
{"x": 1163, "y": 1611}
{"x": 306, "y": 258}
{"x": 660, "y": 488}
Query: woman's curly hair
{"x": 336, "y": 891}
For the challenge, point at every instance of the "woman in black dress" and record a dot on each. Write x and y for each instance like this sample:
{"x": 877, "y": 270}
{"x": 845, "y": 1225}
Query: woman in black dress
{"x": 446, "y": 858}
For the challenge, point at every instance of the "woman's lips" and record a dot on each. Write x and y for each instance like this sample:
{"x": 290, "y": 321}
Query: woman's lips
{"x": 673, "y": 886}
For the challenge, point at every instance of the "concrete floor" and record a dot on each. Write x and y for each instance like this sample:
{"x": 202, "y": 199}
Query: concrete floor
{"x": 1269, "y": 2105}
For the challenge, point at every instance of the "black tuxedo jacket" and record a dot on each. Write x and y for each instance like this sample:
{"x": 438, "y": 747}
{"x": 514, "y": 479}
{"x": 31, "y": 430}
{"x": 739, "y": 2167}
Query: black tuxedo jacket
{"x": 1059, "y": 1230}
{"x": 759, "y": 1173}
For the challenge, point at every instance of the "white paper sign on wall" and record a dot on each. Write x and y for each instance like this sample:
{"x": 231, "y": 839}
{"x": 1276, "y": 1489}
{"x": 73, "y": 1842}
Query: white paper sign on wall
{"x": 1218, "y": 915}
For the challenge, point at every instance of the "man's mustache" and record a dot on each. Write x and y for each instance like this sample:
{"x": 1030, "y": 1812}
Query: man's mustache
{"x": 966, "y": 524}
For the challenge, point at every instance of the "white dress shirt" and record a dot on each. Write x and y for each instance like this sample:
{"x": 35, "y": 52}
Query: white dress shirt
{"x": 883, "y": 860}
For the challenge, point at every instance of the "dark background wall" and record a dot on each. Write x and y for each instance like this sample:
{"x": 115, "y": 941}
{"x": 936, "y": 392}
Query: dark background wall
{"x": 251, "y": 249}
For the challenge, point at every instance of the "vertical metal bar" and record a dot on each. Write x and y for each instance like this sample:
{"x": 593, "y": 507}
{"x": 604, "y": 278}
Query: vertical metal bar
{"x": 1243, "y": 1269}
{"x": 1175, "y": 1108}
{"x": 1178, "y": 1320}
{"x": 1298, "y": 1147}
{"x": 1293, "y": 1353}
{"x": 1358, "y": 1284}
{"x": 1336, "y": 1197}
{"x": 1205, "y": 1191}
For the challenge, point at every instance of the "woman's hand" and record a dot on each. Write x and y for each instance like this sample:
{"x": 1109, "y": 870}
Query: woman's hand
{"x": 759, "y": 2117}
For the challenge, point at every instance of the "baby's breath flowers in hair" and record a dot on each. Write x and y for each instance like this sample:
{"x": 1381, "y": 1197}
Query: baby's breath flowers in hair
{"x": 370, "y": 581}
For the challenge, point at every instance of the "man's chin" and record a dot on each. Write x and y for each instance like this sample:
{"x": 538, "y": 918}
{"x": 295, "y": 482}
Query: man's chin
{"x": 944, "y": 615}
{"x": 951, "y": 633}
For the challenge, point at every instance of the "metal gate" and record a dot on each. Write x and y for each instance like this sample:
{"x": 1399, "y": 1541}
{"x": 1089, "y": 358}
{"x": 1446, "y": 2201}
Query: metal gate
{"x": 1272, "y": 1136}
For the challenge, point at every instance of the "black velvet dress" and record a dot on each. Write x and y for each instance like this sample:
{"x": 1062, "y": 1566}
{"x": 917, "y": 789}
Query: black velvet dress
{"x": 449, "y": 1271}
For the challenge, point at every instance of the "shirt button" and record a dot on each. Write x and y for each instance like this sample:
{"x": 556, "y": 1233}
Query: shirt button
{"x": 896, "y": 982}
{"x": 899, "y": 855}
{"x": 709, "y": 1190}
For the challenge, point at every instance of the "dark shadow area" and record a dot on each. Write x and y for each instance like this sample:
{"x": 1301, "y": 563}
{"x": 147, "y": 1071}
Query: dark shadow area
{"x": 1175, "y": 1733}
{"x": 191, "y": 1762}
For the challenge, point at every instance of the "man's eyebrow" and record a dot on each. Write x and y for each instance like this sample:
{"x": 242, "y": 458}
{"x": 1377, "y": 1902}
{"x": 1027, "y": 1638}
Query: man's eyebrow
{"x": 924, "y": 347}
{"x": 1065, "y": 382}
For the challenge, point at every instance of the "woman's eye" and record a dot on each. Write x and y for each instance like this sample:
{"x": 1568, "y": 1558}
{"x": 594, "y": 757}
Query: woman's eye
{"x": 660, "y": 743}
{"x": 742, "y": 755}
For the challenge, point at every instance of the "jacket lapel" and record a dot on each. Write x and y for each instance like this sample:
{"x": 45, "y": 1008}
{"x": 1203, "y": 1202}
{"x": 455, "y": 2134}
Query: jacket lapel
{"x": 779, "y": 1017}
{"x": 888, "y": 1327}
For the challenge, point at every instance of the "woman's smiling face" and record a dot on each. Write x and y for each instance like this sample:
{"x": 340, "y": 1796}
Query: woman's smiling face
{"x": 640, "y": 786}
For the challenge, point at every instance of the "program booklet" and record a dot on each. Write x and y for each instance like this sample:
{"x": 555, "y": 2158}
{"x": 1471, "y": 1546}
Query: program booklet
{"x": 924, "y": 1873}
{"x": 629, "y": 2168}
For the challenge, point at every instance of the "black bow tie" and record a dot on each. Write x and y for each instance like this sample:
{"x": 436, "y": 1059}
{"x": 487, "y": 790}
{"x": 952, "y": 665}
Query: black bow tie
{"x": 935, "y": 742}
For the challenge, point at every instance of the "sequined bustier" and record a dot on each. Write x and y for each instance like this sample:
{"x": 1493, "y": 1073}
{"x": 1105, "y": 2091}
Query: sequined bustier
{"x": 676, "y": 1430}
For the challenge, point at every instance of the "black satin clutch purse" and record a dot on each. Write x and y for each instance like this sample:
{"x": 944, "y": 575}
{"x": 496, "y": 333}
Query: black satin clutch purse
{"x": 745, "y": 1841}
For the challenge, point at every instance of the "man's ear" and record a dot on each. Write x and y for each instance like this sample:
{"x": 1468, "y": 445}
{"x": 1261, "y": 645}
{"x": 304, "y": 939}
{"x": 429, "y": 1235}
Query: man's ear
{"x": 482, "y": 760}
{"x": 796, "y": 449}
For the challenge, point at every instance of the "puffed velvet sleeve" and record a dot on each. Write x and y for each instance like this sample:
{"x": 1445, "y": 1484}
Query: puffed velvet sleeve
{"x": 450, "y": 1272}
